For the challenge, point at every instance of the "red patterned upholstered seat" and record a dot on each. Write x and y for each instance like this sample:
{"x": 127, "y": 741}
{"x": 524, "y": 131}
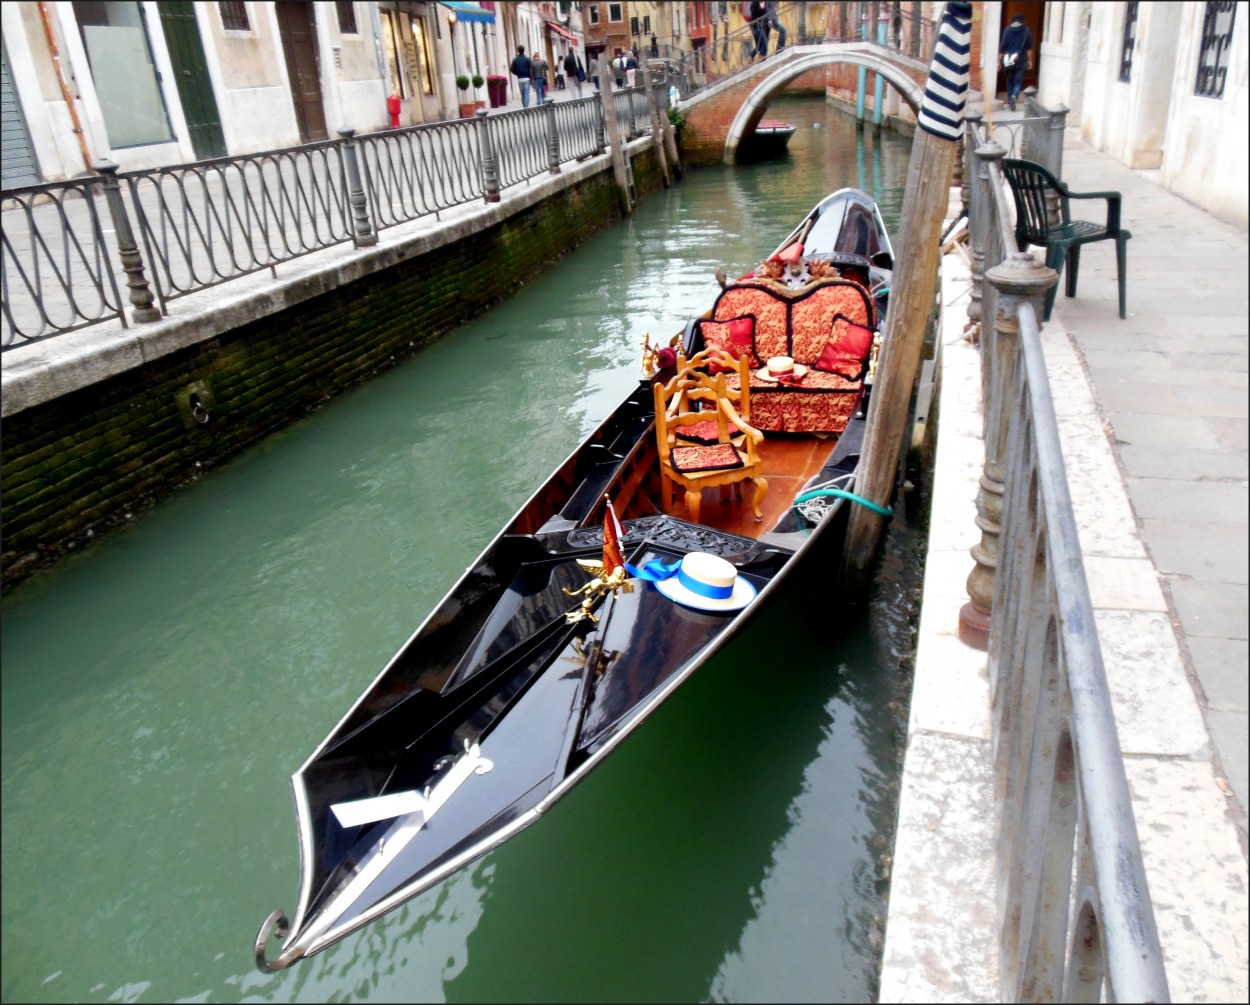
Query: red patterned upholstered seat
{"x": 822, "y": 326}
{"x": 710, "y": 457}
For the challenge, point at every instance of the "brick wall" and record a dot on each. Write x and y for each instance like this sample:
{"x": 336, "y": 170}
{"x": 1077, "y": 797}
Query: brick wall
{"x": 80, "y": 464}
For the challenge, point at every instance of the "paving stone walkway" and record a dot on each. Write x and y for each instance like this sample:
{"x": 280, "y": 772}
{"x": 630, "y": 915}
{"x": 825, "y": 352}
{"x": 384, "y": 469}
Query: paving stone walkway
{"x": 1152, "y": 415}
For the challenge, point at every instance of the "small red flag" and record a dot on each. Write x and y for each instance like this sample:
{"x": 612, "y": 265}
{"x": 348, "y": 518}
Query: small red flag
{"x": 612, "y": 535}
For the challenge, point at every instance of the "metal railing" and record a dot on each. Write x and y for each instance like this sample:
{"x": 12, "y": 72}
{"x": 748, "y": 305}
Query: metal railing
{"x": 205, "y": 223}
{"x": 202, "y": 224}
{"x": 1075, "y": 915}
{"x": 211, "y": 221}
{"x": 900, "y": 28}
{"x": 1037, "y": 137}
{"x": 56, "y": 271}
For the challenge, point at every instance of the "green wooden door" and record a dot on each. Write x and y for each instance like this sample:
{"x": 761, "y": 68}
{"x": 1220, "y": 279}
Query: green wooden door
{"x": 195, "y": 89}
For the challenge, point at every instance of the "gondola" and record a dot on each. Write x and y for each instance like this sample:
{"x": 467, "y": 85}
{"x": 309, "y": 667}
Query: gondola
{"x": 599, "y": 598}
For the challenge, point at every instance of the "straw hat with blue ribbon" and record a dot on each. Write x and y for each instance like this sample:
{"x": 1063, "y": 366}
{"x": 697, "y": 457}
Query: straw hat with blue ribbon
{"x": 702, "y": 581}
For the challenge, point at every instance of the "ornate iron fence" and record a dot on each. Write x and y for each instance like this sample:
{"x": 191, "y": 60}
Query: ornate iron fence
{"x": 205, "y": 223}
{"x": 56, "y": 270}
{"x": 211, "y": 221}
{"x": 1075, "y": 915}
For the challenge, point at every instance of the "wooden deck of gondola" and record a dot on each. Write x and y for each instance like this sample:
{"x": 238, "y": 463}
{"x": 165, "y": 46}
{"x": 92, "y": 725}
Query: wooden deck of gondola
{"x": 789, "y": 462}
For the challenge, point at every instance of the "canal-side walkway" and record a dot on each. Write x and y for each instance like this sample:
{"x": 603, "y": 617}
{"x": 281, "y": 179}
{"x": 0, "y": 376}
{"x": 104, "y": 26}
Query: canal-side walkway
{"x": 1152, "y": 416}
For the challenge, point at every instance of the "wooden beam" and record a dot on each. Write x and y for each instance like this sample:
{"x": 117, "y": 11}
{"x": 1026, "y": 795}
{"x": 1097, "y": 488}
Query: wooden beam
{"x": 912, "y": 290}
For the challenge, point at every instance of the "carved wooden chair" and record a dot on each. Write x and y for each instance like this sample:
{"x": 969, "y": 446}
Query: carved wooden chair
{"x": 712, "y": 446}
{"x": 694, "y": 386}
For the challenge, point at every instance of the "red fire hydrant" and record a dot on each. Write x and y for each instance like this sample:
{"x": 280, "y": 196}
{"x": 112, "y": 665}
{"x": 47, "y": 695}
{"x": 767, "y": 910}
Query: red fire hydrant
{"x": 392, "y": 108}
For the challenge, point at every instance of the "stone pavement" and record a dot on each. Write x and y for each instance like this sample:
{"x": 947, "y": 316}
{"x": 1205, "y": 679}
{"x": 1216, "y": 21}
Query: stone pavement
{"x": 1152, "y": 415}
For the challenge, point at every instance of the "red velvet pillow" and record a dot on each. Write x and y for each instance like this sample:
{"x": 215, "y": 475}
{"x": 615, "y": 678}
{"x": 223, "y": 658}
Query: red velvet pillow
{"x": 736, "y": 336}
{"x": 847, "y": 349}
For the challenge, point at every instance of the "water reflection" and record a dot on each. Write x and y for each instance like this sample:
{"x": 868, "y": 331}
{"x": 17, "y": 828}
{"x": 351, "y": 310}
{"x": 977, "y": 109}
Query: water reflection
{"x": 159, "y": 689}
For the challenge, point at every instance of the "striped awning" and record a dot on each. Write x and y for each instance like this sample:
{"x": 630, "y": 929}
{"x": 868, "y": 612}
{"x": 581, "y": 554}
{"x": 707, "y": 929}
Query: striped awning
{"x": 470, "y": 12}
{"x": 559, "y": 29}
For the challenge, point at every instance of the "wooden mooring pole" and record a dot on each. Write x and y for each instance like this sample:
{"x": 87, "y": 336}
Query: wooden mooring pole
{"x": 912, "y": 288}
{"x": 653, "y": 113}
{"x": 616, "y": 145}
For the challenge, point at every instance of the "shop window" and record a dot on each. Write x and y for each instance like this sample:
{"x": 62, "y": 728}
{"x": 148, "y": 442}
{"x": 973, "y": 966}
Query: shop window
{"x": 427, "y": 55}
{"x": 116, "y": 39}
{"x": 234, "y": 16}
{"x": 390, "y": 36}
{"x": 1217, "y": 38}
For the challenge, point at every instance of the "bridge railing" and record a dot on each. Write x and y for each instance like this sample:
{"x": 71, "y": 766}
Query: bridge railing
{"x": 184, "y": 228}
{"x": 897, "y": 27}
{"x": 1075, "y": 916}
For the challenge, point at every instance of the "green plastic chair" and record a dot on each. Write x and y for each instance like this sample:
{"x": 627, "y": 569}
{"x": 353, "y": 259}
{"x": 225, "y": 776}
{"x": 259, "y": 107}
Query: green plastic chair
{"x": 1032, "y": 186}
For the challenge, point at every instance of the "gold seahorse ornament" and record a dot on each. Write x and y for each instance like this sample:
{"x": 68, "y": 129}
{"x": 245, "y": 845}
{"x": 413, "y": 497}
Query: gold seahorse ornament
{"x": 603, "y": 583}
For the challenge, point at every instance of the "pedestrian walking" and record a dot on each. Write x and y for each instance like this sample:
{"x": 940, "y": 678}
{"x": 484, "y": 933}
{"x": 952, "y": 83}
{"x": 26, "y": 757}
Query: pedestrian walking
{"x": 570, "y": 71}
{"x": 1015, "y": 55}
{"x": 631, "y": 68}
{"x": 618, "y": 69}
{"x": 759, "y": 27}
{"x": 771, "y": 20}
{"x": 523, "y": 70}
{"x": 596, "y": 68}
{"x": 540, "y": 77}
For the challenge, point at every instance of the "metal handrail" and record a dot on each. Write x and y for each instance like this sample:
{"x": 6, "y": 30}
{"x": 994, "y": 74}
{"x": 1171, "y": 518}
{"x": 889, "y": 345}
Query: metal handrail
{"x": 211, "y": 221}
{"x": 902, "y": 30}
{"x": 1075, "y": 916}
{"x": 56, "y": 273}
{"x": 201, "y": 224}
{"x": 420, "y": 170}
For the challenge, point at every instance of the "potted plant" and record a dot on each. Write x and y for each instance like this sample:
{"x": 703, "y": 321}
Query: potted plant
{"x": 497, "y": 89}
{"x": 467, "y": 108}
{"x": 478, "y": 81}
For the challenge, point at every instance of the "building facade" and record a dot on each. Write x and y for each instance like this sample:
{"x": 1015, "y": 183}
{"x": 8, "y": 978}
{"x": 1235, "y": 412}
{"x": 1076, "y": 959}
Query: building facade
{"x": 149, "y": 84}
{"x": 1159, "y": 86}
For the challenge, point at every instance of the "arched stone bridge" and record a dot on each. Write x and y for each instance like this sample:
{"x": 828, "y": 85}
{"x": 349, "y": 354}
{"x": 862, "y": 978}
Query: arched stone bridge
{"x": 720, "y": 115}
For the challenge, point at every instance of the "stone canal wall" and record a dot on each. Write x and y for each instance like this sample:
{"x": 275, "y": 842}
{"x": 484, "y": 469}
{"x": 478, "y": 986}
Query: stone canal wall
{"x": 100, "y": 424}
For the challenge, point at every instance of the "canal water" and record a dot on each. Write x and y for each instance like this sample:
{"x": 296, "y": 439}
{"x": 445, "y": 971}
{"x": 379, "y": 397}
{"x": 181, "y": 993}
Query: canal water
{"x": 160, "y": 688}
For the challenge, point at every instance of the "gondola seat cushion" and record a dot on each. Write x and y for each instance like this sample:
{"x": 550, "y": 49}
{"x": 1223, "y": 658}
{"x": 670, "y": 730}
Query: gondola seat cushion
{"x": 717, "y": 457}
{"x": 826, "y": 325}
{"x": 736, "y": 336}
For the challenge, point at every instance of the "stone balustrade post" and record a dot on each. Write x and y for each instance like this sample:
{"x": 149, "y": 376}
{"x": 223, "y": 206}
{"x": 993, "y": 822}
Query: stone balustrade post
{"x": 142, "y": 299}
{"x": 980, "y": 227}
{"x": 601, "y": 107}
{"x": 363, "y": 234}
{"x": 1054, "y": 139}
{"x": 1019, "y": 277}
{"x": 489, "y": 159}
{"x": 553, "y": 137}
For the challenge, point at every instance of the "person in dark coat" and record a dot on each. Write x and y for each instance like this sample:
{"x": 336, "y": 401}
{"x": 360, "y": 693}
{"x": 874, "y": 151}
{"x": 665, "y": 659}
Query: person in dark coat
{"x": 523, "y": 71}
{"x": 1015, "y": 55}
{"x": 570, "y": 71}
{"x": 759, "y": 27}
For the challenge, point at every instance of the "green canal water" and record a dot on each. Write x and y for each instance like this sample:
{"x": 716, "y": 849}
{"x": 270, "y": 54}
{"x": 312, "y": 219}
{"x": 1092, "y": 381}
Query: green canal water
{"x": 160, "y": 688}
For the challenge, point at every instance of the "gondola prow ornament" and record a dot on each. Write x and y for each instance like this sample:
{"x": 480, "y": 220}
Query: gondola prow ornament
{"x": 610, "y": 574}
